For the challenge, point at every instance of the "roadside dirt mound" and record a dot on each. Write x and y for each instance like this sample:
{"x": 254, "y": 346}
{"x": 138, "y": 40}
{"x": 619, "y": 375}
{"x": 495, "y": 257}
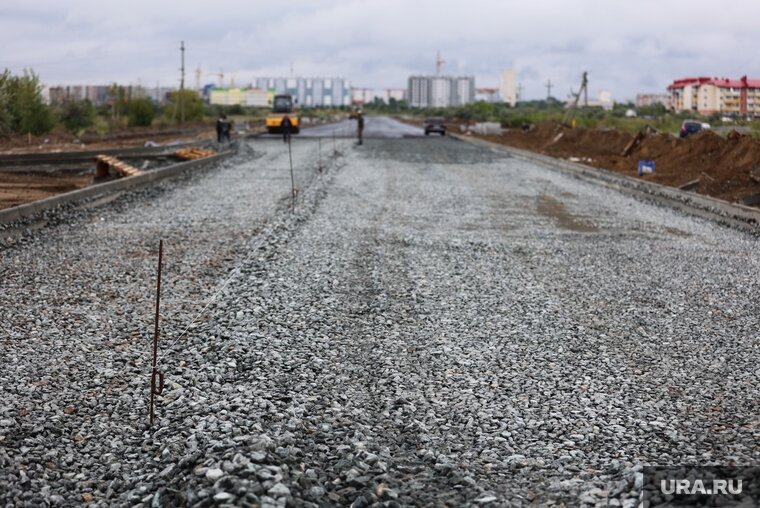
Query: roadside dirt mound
{"x": 596, "y": 143}
{"x": 727, "y": 168}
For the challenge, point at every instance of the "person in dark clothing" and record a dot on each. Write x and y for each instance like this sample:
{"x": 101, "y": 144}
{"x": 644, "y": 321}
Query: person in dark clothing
{"x": 222, "y": 127}
{"x": 359, "y": 125}
{"x": 286, "y": 128}
{"x": 227, "y": 130}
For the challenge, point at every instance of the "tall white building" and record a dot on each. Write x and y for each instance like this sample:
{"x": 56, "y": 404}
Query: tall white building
{"x": 440, "y": 91}
{"x": 508, "y": 87}
{"x": 310, "y": 92}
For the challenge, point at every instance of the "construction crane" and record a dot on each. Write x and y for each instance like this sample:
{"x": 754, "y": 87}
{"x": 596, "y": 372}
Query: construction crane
{"x": 438, "y": 64}
{"x": 198, "y": 78}
{"x": 220, "y": 74}
{"x": 569, "y": 119}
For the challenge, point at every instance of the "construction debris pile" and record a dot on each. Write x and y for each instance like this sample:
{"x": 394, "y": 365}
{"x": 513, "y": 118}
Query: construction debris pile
{"x": 726, "y": 168}
{"x": 105, "y": 163}
{"x": 193, "y": 153}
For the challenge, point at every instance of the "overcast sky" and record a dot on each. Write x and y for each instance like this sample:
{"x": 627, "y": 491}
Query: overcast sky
{"x": 626, "y": 46}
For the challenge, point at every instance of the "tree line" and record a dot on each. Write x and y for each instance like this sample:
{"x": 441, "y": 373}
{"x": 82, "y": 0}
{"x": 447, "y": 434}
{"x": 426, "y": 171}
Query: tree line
{"x": 24, "y": 110}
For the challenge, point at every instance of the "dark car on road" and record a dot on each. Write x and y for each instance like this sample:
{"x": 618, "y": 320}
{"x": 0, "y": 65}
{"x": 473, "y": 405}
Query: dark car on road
{"x": 689, "y": 127}
{"x": 435, "y": 124}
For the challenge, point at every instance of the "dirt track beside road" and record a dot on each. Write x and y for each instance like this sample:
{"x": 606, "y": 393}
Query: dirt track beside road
{"x": 19, "y": 188}
{"x": 67, "y": 142}
{"x": 32, "y": 184}
{"x": 727, "y": 168}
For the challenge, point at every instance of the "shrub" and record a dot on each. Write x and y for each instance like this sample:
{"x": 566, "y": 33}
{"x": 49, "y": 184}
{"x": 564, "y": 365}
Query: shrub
{"x": 235, "y": 109}
{"x": 22, "y": 106}
{"x": 184, "y": 102}
{"x": 76, "y": 115}
{"x": 140, "y": 112}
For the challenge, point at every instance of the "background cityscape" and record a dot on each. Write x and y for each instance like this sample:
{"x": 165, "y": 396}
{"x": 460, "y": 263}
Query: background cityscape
{"x": 705, "y": 95}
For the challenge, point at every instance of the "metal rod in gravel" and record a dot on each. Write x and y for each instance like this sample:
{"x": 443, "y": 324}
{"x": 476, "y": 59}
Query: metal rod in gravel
{"x": 319, "y": 154}
{"x": 335, "y": 151}
{"x": 156, "y": 390}
{"x": 292, "y": 179}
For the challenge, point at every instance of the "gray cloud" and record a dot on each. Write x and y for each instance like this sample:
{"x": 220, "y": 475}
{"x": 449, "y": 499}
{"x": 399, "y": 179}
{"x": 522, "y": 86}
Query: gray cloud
{"x": 626, "y": 47}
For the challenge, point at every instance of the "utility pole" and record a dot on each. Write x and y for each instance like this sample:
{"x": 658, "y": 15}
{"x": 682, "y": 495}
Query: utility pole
{"x": 198, "y": 74}
{"x": 519, "y": 92}
{"x": 548, "y": 89}
{"x": 585, "y": 88}
{"x": 182, "y": 84}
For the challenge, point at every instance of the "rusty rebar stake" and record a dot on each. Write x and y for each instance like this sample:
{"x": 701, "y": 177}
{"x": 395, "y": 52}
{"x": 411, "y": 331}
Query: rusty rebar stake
{"x": 292, "y": 180}
{"x": 319, "y": 155}
{"x": 156, "y": 390}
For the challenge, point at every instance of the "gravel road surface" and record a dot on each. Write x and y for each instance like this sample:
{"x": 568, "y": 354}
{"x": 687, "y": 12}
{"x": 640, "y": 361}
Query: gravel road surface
{"x": 381, "y": 127}
{"x": 436, "y": 324}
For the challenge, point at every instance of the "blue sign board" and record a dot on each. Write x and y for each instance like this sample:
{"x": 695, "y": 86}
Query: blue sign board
{"x": 646, "y": 167}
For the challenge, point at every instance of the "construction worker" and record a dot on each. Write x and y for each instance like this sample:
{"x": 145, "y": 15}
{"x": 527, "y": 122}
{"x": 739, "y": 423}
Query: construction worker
{"x": 222, "y": 128}
{"x": 286, "y": 127}
{"x": 359, "y": 125}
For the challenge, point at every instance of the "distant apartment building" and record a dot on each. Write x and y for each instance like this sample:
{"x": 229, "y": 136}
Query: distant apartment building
{"x": 386, "y": 94}
{"x": 440, "y": 91}
{"x": 161, "y": 94}
{"x": 239, "y": 97}
{"x": 735, "y": 97}
{"x": 603, "y": 100}
{"x": 226, "y": 97}
{"x": 508, "y": 87}
{"x": 491, "y": 95}
{"x": 310, "y": 92}
{"x": 96, "y": 94}
{"x": 257, "y": 97}
{"x": 650, "y": 99}
{"x": 398, "y": 94}
{"x": 360, "y": 96}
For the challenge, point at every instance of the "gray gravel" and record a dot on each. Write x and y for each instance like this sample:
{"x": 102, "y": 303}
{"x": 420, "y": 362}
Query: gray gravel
{"x": 436, "y": 324}
{"x": 381, "y": 127}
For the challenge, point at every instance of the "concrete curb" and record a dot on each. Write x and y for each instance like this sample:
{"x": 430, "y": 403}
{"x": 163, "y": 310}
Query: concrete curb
{"x": 718, "y": 210}
{"x": 15, "y": 213}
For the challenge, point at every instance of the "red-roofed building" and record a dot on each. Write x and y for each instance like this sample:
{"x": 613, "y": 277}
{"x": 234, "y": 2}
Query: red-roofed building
{"x": 737, "y": 97}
